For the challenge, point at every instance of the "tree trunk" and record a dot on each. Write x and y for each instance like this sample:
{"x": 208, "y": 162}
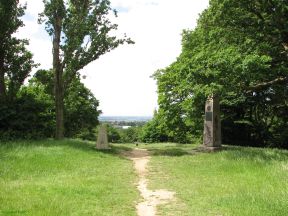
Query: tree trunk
{"x": 2, "y": 78}
{"x": 58, "y": 80}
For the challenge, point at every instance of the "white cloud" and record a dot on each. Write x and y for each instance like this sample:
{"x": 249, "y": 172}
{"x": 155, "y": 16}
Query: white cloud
{"x": 40, "y": 43}
{"x": 34, "y": 7}
{"x": 121, "y": 79}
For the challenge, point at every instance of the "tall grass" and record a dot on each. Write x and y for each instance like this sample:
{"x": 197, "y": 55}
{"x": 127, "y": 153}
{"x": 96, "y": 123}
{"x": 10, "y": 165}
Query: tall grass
{"x": 64, "y": 178}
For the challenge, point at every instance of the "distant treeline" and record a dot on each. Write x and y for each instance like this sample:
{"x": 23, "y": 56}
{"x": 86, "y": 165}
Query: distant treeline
{"x": 125, "y": 123}
{"x": 125, "y": 118}
{"x": 140, "y": 132}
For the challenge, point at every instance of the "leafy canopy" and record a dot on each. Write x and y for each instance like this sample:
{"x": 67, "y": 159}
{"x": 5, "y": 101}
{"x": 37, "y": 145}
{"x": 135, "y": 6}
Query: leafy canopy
{"x": 86, "y": 31}
{"x": 238, "y": 50}
{"x": 15, "y": 60}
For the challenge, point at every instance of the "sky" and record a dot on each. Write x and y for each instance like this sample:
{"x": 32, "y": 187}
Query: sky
{"x": 121, "y": 79}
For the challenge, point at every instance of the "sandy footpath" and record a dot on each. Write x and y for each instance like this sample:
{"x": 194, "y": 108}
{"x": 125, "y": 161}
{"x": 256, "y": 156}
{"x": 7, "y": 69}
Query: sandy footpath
{"x": 151, "y": 198}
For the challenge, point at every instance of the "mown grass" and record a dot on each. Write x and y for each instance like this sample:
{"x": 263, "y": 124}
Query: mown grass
{"x": 235, "y": 181}
{"x": 65, "y": 178}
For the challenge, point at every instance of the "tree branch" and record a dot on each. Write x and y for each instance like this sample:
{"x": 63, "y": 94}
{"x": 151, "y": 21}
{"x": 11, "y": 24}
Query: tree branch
{"x": 264, "y": 85}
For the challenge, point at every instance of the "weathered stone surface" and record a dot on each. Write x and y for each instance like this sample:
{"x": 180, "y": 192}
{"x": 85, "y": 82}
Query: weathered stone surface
{"x": 102, "y": 139}
{"x": 212, "y": 123}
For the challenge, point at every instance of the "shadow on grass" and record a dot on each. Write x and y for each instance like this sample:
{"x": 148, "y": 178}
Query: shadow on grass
{"x": 82, "y": 145}
{"x": 173, "y": 152}
{"x": 114, "y": 150}
{"x": 256, "y": 154}
{"x": 230, "y": 152}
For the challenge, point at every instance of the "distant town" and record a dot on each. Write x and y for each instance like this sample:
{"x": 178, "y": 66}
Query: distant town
{"x": 125, "y": 122}
{"x": 124, "y": 118}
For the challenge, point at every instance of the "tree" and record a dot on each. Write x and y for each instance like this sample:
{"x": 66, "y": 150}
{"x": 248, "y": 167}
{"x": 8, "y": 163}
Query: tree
{"x": 15, "y": 61}
{"x": 81, "y": 32}
{"x": 80, "y": 110}
{"x": 262, "y": 22}
{"x": 18, "y": 108}
{"x": 29, "y": 115}
{"x": 238, "y": 50}
{"x": 81, "y": 107}
{"x": 113, "y": 134}
{"x": 156, "y": 130}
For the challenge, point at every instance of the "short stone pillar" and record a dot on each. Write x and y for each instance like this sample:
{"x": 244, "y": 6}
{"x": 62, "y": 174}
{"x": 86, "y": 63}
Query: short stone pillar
{"x": 212, "y": 123}
{"x": 102, "y": 139}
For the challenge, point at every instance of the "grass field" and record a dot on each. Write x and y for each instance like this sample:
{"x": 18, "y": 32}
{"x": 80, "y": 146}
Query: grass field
{"x": 65, "y": 178}
{"x": 236, "y": 181}
{"x": 72, "y": 178}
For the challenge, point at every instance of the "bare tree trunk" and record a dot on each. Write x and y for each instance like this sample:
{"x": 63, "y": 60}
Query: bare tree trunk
{"x": 58, "y": 80}
{"x": 2, "y": 78}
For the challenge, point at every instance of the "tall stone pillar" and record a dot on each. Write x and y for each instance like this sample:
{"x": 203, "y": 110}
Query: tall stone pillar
{"x": 102, "y": 139}
{"x": 212, "y": 123}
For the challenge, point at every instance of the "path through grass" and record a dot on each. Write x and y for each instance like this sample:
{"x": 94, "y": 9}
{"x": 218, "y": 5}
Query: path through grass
{"x": 72, "y": 178}
{"x": 236, "y": 181}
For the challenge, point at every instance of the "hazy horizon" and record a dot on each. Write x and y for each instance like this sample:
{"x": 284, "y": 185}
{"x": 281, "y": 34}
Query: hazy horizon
{"x": 125, "y": 118}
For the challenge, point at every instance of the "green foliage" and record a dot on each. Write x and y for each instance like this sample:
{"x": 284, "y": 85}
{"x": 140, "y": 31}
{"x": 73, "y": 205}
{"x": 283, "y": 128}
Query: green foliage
{"x": 10, "y": 11}
{"x": 29, "y": 116}
{"x": 81, "y": 33}
{"x": 130, "y": 135}
{"x": 121, "y": 135}
{"x": 22, "y": 110}
{"x": 153, "y": 132}
{"x": 87, "y": 134}
{"x": 15, "y": 61}
{"x": 86, "y": 31}
{"x": 113, "y": 134}
{"x": 239, "y": 51}
{"x": 81, "y": 107}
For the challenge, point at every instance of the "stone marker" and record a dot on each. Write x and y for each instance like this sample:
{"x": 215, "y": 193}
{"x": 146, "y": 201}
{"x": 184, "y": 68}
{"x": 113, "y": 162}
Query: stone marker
{"x": 212, "y": 123}
{"x": 102, "y": 139}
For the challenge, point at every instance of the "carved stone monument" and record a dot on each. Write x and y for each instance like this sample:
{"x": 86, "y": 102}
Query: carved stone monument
{"x": 212, "y": 123}
{"x": 102, "y": 139}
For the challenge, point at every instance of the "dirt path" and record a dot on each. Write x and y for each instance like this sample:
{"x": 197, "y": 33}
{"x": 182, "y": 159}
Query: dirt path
{"x": 151, "y": 198}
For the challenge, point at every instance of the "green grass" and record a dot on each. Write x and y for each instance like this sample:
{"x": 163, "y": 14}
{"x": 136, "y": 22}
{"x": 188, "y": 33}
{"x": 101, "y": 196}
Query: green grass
{"x": 65, "y": 178}
{"x": 167, "y": 149}
{"x": 235, "y": 181}
{"x": 70, "y": 177}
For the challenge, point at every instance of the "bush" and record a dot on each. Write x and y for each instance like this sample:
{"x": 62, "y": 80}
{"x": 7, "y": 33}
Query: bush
{"x": 130, "y": 135}
{"x": 29, "y": 116}
{"x": 152, "y": 132}
{"x": 87, "y": 134}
